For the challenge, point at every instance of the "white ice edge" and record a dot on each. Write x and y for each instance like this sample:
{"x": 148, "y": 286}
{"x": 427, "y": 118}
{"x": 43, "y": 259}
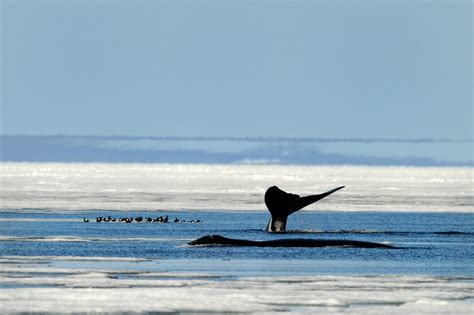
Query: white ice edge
{"x": 26, "y": 259}
{"x": 98, "y": 292}
{"x": 36, "y": 220}
{"x": 25, "y": 287}
{"x": 160, "y": 187}
{"x": 87, "y": 239}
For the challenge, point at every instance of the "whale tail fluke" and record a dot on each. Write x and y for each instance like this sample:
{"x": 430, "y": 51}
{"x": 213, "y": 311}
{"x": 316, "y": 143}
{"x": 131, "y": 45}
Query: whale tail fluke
{"x": 307, "y": 200}
{"x": 281, "y": 204}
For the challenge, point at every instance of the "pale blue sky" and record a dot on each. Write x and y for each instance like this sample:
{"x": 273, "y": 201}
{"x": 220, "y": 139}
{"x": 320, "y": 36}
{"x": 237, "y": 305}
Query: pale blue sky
{"x": 368, "y": 69}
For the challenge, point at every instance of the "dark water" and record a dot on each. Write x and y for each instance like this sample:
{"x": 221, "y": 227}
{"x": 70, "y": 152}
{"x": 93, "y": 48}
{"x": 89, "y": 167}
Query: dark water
{"x": 430, "y": 243}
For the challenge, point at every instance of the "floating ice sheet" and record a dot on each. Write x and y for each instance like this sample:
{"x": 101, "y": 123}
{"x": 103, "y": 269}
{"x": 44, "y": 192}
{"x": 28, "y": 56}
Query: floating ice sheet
{"x": 26, "y": 287}
{"x": 56, "y": 186}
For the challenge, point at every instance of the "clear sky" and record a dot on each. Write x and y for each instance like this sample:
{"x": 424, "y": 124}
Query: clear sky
{"x": 369, "y": 69}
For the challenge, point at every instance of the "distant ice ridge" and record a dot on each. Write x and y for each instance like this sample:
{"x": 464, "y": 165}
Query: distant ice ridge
{"x": 74, "y": 186}
{"x": 30, "y": 285}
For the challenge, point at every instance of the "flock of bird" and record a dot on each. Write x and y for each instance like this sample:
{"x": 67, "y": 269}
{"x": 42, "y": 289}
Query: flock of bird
{"x": 140, "y": 219}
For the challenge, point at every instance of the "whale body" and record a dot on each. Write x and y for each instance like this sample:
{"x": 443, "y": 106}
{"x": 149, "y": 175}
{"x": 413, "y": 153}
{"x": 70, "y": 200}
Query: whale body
{"x": 288, "y": 242}
{"x": 281, "y": 204}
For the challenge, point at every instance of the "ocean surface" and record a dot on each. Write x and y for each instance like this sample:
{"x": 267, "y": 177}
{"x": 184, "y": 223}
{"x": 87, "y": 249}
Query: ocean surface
{"x": 53, "y": 261}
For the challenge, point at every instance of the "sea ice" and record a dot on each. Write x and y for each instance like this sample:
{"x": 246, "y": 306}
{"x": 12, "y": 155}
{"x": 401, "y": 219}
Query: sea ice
{"x": 43, "y": 288}
{"x": 230, "y": 187}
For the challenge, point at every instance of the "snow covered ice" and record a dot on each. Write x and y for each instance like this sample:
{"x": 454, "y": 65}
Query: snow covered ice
{"x": 41, "y": 287}
{"x": 230, "y": 187}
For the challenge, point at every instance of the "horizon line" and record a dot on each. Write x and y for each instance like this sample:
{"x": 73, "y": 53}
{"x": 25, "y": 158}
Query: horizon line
{"x": 252, "y": 138}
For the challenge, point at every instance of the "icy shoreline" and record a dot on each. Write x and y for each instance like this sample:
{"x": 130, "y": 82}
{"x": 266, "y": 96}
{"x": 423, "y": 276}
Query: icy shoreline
{"x": 155, "y": 187}
{"x": 37, "y": 284}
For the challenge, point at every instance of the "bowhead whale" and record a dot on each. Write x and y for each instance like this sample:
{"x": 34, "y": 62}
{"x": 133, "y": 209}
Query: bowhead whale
{"x": 287, "y": 242}
{"x": 281, "y": 204}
